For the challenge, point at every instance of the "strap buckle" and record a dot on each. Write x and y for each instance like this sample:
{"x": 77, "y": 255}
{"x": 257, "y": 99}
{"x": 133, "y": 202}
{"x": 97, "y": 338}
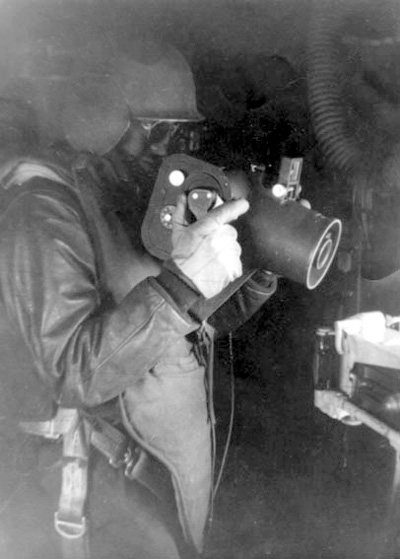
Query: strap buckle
{"x": 69, "y": 520}
{"x": 53, "y": 429}
{"x": 68, "y": 528}
{"x": 131, "y": 458}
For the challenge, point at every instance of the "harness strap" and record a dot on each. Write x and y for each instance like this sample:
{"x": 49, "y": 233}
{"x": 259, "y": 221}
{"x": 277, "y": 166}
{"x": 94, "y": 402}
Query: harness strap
{"x": 69, "y": 519}
{"x": 118, "y": 448}
{"x": 54, "y": 428}
{"x": 78, "y": 431}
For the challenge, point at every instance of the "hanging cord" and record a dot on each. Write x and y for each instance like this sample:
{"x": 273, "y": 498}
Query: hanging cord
{"x": 211, "y": 412}
{"x": 205, "y": 354}
{"x": 213, "y": 430}
{"x": 231, "y": 418}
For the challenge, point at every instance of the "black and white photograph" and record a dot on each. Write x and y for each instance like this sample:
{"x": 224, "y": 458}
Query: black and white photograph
{"x": 199, "y": 279}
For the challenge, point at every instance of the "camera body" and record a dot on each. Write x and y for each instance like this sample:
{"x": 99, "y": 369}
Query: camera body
{"x": 276, "y": 234}
{"x": 204, "y": 184}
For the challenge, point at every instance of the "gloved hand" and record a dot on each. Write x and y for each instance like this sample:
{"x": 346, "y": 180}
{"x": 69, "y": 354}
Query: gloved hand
{"x": 207, "y": 251}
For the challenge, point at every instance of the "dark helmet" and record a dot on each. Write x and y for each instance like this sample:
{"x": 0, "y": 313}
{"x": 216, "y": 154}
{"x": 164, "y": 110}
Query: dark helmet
{"x": 155, "y": 83}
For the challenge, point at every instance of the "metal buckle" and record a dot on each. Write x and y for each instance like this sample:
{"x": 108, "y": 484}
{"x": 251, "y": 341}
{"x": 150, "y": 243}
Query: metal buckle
{"x": 117, "y": 458}
{"x": 131, "y": 458}
{"x": 116, "y": 463}
{"x": 68, "y": 528}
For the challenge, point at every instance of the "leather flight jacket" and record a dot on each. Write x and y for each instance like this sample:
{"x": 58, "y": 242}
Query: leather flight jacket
{"x": 87, "y": 316}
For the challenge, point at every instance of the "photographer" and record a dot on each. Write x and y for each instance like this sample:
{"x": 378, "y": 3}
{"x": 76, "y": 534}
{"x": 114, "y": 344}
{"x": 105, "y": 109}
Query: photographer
{"x": 93, "y": 324}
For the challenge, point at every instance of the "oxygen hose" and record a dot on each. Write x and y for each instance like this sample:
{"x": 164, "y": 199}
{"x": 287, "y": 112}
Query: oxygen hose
{"x": 340, "y": 130}
{"x": 363, "y": 150}
{"x": 328, "y": 111}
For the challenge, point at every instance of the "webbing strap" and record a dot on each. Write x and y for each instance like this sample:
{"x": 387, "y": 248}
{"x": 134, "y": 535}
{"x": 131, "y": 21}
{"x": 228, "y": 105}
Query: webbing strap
{"x": 53, "y": 428}
{"x": 78, "y": 430}
{"x": 117, "y": 447}
{"x": 108, "y": 440}
{"x": 76, "y": 548}
{"x": 21, "y": 170}
{"x": 70, "y": 520}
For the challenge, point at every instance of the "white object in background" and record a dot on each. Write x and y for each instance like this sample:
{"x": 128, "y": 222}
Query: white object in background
{"x": 371, "y": 326}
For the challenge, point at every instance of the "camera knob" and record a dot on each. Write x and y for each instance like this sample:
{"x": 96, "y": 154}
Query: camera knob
{"x": 166, "y": 214}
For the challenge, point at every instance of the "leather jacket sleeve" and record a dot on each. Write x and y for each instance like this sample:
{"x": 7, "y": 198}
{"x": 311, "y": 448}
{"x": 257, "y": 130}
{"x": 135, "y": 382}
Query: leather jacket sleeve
{"x": 239, "y": 301}
{"x": 85, "y": 348}
{"x": 244, "y": 303}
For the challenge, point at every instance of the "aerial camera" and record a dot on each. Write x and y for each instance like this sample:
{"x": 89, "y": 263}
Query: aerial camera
{"x": 277, "y": 233}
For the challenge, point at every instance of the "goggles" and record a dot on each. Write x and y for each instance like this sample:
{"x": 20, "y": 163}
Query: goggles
{"x": 157, "y": 131}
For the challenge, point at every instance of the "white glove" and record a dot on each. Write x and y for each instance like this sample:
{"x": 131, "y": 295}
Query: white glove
{"x": 207, "y": 251}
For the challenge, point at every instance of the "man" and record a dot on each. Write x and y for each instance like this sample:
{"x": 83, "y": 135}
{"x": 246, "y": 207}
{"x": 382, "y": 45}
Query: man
{"x": 103, "y": 344}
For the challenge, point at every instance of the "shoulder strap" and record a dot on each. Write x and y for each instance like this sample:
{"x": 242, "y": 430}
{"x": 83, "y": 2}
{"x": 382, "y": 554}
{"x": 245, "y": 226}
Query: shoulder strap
{"x": 17, "y": 172}
{"x": 17, "y": 176}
